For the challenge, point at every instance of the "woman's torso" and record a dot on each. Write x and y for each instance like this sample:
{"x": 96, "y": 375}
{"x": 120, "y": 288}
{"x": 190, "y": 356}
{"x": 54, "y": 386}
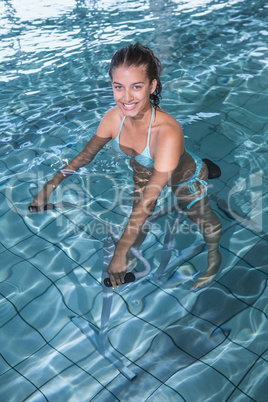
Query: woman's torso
{"x": 143, "y": 163}
{"x": 144, "y": 158}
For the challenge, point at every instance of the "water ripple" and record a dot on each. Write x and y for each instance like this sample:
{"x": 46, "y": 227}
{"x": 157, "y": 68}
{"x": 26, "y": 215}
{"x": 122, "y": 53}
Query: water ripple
{"x": 54, "y": 90}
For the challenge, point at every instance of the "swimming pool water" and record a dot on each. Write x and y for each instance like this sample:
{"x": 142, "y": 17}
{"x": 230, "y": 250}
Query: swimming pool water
{"x": 183, "y": 346}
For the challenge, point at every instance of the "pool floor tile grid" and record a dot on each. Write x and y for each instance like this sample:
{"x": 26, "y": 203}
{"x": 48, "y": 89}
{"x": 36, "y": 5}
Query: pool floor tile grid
{"x": 156, "y": 361}
{"x": 150, "y": 355}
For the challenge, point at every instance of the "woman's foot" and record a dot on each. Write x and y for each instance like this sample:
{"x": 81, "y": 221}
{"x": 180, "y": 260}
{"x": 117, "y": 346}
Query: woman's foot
{"x": 214, "y": 262}
{"x": 41, "y": 200}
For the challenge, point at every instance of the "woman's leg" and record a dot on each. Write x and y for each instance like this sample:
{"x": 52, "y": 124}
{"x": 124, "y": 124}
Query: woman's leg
{"x": 208, "y": 223}
{"x": 210, "y": 226}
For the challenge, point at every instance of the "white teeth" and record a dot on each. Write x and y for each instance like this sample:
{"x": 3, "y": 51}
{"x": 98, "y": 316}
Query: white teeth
{"x": 129, "y": 105}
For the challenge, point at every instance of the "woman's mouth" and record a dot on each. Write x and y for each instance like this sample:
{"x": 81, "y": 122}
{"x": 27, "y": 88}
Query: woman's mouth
{"x": 129, "y": 106}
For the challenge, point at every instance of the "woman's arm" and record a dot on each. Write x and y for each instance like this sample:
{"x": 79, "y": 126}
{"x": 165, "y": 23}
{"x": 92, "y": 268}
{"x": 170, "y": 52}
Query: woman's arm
{"x": 169, "y": 148}
{"x": 82, "y": 159}
{"x": 102, "y": 136}
{"x": 140, "y": 212}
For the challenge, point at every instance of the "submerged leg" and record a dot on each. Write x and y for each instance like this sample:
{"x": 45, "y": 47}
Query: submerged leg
{"x": 209, "y": 225}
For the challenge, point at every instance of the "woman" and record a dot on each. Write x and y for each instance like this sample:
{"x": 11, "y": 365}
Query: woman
{"x": 154, "y": 142}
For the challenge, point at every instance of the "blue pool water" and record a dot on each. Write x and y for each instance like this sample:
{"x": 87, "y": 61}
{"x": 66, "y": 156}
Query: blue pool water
{"x": 209, "y": 345}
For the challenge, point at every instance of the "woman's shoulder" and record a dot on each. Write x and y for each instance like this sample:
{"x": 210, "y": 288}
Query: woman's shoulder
{"x": 169, "y": 142}
{"x": 113, "y": 114}
{"x": 110, "y": 122}
{"x": 167, "y": 124}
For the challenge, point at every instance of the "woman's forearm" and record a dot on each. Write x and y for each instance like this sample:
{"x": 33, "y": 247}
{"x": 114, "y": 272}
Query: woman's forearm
{"x": 141, "y": 211}
{"x": 82, "y": 159}
{"x": 133, "y": 228}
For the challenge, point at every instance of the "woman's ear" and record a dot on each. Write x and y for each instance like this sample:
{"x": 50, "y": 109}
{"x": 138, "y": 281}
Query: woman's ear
{"x": 153, "y": 86}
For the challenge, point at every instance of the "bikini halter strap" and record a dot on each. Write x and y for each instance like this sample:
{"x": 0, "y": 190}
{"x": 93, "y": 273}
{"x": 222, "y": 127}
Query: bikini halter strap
{"x": 149, "y": 130}
{"x": 151, "y": 122}
{"x": 122, "y": 122}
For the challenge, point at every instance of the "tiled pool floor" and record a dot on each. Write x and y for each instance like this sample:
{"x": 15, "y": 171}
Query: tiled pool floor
{"x": 175, "y": 341}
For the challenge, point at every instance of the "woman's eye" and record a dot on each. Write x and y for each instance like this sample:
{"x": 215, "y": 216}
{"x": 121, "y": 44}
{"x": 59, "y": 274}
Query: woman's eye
{"x": 137, "y": 87}
{"x": 117, "y": 87}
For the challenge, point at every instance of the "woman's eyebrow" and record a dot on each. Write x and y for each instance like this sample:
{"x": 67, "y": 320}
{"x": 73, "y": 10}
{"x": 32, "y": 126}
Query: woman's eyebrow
{"x": 134, "y": 83}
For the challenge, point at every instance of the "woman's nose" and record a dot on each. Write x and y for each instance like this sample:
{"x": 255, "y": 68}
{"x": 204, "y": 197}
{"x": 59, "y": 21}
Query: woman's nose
{"x": 128, "y": 95}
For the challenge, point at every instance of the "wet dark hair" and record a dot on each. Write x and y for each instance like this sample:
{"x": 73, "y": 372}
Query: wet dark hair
{"x": 138, "y": 55}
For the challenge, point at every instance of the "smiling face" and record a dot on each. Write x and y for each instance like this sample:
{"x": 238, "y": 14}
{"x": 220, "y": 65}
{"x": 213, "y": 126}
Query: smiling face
{"x": 132, "y": 89}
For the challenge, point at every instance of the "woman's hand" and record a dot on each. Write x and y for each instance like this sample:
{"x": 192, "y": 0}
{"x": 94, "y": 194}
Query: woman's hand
{"x": 117, "y": 269}
{"x": 42, "y": 198}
